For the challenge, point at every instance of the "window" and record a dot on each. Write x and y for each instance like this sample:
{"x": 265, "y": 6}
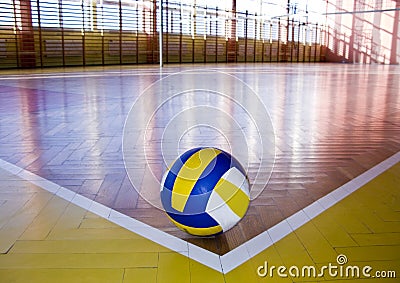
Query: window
{"x": 189, "y": 17}
{"x": 7, "y": 13}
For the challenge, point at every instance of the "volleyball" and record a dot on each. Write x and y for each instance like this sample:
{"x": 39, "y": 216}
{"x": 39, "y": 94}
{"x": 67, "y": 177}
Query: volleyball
{"x": 205, "y": 191}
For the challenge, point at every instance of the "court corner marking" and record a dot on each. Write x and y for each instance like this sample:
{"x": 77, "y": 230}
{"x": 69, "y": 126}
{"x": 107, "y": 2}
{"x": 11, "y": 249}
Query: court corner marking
{"x": 269, "y": 237}
{"x": 235, "y": 257}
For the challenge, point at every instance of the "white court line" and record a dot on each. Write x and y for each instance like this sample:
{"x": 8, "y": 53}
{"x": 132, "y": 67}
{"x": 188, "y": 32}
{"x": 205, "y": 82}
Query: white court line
{"x": 235, "y": 257}
{"x": 167, "y": 71}
{"x": 254, "y": 246}
{"x": 67, "y": 76}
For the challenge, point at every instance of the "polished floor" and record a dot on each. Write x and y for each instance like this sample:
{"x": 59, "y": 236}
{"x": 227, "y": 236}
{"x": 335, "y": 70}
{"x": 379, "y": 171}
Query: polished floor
{"x": 331, "y": 122}
{"x": 44, "y": 238}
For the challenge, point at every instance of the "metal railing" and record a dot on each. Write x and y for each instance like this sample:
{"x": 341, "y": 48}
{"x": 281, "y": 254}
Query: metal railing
{"x": 41, "y": 33}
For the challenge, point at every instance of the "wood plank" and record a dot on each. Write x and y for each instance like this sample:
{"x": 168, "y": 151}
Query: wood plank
{"x": 331, "y": 125}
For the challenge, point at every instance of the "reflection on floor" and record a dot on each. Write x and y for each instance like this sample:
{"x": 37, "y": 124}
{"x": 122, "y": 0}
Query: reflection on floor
{"x": 332, "y": 122}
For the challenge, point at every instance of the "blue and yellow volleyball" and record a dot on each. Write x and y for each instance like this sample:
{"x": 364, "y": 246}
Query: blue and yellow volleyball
{"x": 205, "y": 191}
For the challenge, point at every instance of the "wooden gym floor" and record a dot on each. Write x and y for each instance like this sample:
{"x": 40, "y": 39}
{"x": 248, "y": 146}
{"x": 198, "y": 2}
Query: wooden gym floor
{"x": 332, "y": 122}
{"x": 44, "y": 238}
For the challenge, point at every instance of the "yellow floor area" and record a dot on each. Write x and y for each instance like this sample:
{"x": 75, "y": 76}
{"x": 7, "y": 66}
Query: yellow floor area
{"x": 44, "y": 238}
